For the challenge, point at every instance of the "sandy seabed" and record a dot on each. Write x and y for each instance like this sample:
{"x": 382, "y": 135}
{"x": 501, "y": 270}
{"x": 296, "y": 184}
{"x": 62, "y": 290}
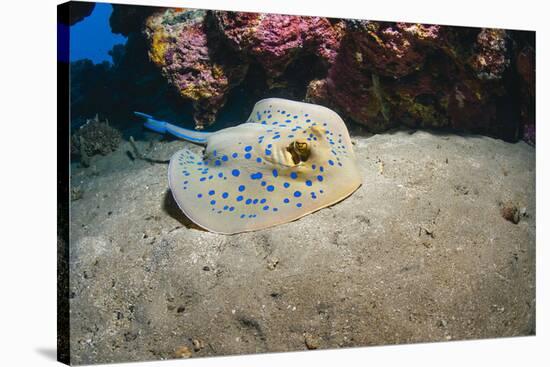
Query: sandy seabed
{"x": 421, "y": 252}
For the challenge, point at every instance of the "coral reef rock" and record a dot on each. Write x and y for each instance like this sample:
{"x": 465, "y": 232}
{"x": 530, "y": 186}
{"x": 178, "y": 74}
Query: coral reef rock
{"x": 205, "y": 63}
{"x": 94, "y": 137}
{"x": 79, "y": 10}
{"x": 424, "y": 76}
{"x": 274, "y": 40}
{"x": 126, "y": 19}
{"x": 526, "y": 68}
{"x": 180, "y": 46}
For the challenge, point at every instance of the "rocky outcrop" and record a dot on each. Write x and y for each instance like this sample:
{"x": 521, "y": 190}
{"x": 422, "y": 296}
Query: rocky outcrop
{"x": 375, "y": 74}
{"x": 275, "y": 41}
{"x": 79, "y": 10}
{"x": 424, "y": 76}
{"x": 204, "y": 54}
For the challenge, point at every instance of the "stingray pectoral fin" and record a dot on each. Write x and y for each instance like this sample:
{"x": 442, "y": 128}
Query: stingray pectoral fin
{"x": 163, "y": 127}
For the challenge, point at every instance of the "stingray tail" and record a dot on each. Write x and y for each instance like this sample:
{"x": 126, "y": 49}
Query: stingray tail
{"x": 164, "y": 127}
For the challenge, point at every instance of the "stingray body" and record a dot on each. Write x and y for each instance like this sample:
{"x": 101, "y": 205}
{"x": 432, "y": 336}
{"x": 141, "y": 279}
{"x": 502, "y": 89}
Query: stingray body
{"x": 288, "y": 160}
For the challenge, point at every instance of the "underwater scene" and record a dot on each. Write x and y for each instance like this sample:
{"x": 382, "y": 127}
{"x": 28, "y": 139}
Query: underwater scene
{"x": 250, "y": 183}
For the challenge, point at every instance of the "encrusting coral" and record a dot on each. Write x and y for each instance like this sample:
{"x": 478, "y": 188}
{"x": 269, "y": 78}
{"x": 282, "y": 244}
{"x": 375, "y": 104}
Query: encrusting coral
{"x": 94, "y": 137}
{"x": 375, "y": 74}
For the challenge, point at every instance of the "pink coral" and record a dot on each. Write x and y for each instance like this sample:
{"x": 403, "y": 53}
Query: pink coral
{"x": 378, "y": 74}
{"x": 180, "y": 47}
{"x": 275, "y": 40}
{"x": 491, "y": 57}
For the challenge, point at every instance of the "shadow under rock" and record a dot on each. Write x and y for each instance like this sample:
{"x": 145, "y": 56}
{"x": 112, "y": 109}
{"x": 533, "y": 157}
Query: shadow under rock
{"x": 170, "y": 207}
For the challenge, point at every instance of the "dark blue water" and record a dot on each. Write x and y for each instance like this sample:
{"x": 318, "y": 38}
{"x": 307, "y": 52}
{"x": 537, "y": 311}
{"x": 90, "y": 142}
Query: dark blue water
{"x": 92, "y": 38}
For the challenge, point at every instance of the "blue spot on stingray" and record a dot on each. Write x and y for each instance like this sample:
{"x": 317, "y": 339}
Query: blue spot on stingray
{"x": 215, "y": 153}
{"x": 248, "y": 201}
{"x": 275, "y": 173}
{"x": 293, "y": 175}
{"x": 248, "y": 148}
{"x": 266, "y": 207}
{"x": 212, "y": 202}
{"x": 299, "y": 205}
{"x": 232, "y": 208}
{"x": 220, "y": 175}
{"x": 210, "y": 177}
{"x": 199, "y": 196}
{"x": 240, "y": 198}
{"x": 256, "y": 176}
{"x": 248, "y": 155}
{"x": 234, "y": 155}
{"x": 313, "y": 166}
{"x": 267, "y": 152}
{"x": 331, "y": 162}
{"x": 319, "y": 178}
{"x": 262, "y": 201}
{"x": 225, "y": 195}
{"x": 275, "y": 209}
{"x": 211, "y": 192}
{"x": 309, "y": 183}
{"x": 259, "y": 160}
{"x": 218, "y": 163}
{"x": 290, "y": 136}
{"x": 288, "y": 121}
{"x": 241, "y": 188}
{"x": 297, "y": 194}
{"x": 270, "y": 188}
{"x": 236, "y": 172}
{"x": 286, "y": 185}
{"x": 308, "y": 120}
{"x": 286, "y": 200}
{"x": 243, "y": 215}
{"x": 226, "y": 207}
{"x": 264, "y": 183}
{"x": 225, "y": 158}
{"x": 203, "y": 179}
{"x": 321, "y": 169}
{"x": 255, "y": 201}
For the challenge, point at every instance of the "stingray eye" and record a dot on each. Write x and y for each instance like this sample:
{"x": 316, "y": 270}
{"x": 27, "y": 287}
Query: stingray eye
{"x": 301, "y": 146}
{"x": 299, "y": 150}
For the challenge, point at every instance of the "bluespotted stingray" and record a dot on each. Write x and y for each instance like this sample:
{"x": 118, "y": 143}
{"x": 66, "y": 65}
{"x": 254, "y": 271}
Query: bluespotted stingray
{"x": 288, "y": 160}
